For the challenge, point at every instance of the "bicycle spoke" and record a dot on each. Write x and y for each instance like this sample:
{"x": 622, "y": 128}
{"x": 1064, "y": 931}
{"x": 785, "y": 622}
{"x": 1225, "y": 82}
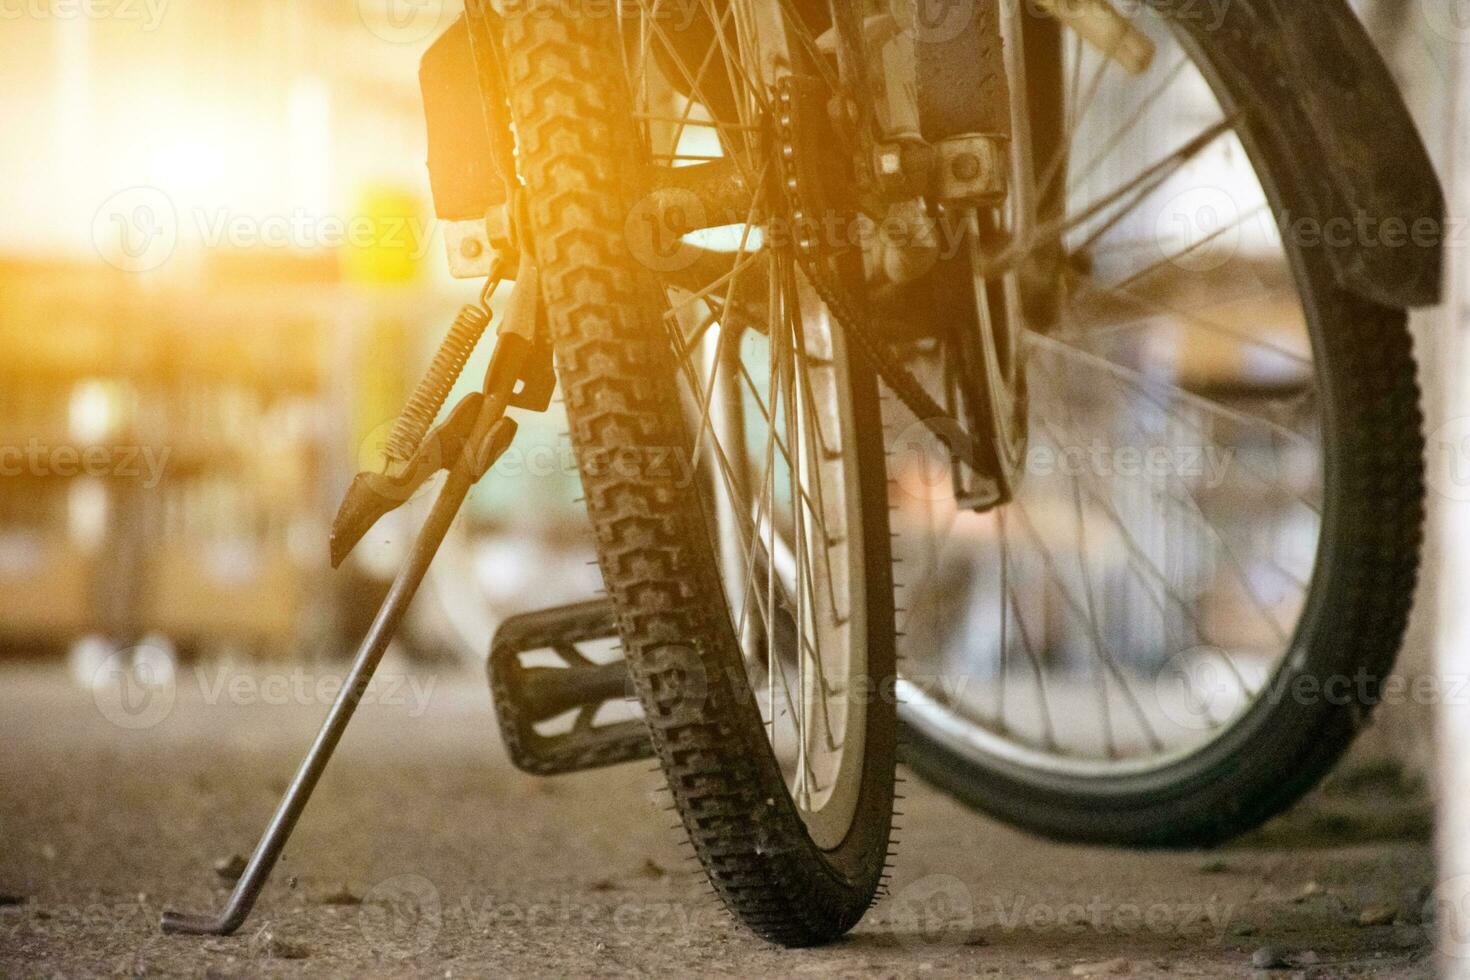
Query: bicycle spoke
{"x": 1116, "y": 140}
{"x": 1160, "y": 348}
{"x": 1101, "y": 648}
{"x": 1140, "y": 562}
{"x": 1190, "y": 249}
{"x": 1160, "y": 309}
{"x": 1146, "y": 385}
{"x": 1138, "y": 189}
{"x": 1049, "y": 738}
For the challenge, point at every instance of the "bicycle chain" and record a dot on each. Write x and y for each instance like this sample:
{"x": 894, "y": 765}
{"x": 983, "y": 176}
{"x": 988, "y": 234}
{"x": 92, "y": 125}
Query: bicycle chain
{"x": 857, "y": 325}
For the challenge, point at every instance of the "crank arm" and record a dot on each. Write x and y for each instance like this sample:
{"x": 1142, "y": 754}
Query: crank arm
{"x": 462, "y": 475}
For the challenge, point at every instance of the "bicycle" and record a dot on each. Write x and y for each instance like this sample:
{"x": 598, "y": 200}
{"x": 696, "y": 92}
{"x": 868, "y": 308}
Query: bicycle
{"x": 768, "y": 244}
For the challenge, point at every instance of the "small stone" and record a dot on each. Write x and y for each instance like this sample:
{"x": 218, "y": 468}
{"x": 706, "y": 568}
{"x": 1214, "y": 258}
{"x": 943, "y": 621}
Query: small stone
{"x": 1112, "y": 967}
{"x": 1377, "y": 915}
{"x": 1272, "y": 958}
{"x": 1310, "y": 890}
{"x": 1243, "y": 929}
{"x": 230, "y": 868}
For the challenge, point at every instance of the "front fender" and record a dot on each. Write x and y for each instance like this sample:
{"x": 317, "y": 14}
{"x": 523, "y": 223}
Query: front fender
{"x": 1325, "y": 98}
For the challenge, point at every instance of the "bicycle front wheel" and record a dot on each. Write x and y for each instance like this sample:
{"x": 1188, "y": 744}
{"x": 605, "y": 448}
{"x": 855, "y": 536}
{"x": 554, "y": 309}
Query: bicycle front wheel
{"x": 730, "y": 449}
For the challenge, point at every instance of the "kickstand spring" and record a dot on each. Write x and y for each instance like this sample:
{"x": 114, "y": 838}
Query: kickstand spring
{"x": 247, "y": 889}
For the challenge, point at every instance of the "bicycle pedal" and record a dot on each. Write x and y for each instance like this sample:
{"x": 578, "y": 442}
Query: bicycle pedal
{"x": 551, "y": 695}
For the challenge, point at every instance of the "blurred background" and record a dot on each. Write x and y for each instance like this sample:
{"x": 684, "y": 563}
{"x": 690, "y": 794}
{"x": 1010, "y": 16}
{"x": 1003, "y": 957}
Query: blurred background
{"x": 219, "y": 277}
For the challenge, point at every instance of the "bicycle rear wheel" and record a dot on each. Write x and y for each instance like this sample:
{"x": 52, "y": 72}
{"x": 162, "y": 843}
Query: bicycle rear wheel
{"x": 1182, "y": 616}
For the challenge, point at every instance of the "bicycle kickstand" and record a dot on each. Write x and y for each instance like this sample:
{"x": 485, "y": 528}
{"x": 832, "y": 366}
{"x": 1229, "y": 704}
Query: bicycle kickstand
{"x": 467, "y": 444}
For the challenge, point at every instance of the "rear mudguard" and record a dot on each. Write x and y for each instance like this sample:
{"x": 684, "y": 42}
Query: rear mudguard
{"x": 1324, "y": 97}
